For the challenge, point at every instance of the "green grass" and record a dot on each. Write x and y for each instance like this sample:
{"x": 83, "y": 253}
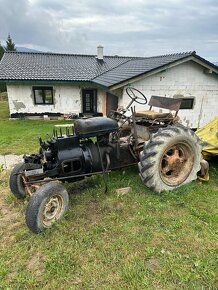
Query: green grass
{"x": 21, "y": 136}
{"x": 139, "y": 240}
{"x": 4, "y": 110}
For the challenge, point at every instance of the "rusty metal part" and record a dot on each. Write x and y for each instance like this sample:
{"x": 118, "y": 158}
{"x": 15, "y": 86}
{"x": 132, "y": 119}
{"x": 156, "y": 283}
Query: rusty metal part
{"x": 142, "y": 132}
{"x": 30, "y": 187}
{"x": 176, "y": 164}
{"x": 52, "y": 210}
{"x": 204, "y": 172}
{"x": 64, "y": 178}
{"x": 36, "y": 186}
{"x": 133, "y": 152}
{"x": 165, "y": 103}
{"x": 134, "y": 128}
{"x": 27, "y": 187}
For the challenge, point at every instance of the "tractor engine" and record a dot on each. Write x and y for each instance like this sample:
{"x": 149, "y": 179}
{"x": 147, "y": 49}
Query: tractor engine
{"x": 89, "y": 149}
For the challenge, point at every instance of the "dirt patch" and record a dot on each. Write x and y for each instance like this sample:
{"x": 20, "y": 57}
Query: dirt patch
{"x": 36, "y": 264}
{"x": 10, "y": 218}
{"x": 93, "y": 213}
{"x": 152, "y": 264}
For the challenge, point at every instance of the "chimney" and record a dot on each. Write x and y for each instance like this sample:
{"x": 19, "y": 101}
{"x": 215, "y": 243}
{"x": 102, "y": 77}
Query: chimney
{"x": 100, "y": 52}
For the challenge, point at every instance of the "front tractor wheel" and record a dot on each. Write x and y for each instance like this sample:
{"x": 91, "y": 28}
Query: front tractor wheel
{"x": 170, "y": 159}
{"x": 47, "y": 205}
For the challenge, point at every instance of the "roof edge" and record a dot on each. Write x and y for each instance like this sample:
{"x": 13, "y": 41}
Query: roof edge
{"x": 53, "y": 82}
{"x": 66, "y": 54}
{"x": 191, "y": 56}
{"x": 94, "y": 55}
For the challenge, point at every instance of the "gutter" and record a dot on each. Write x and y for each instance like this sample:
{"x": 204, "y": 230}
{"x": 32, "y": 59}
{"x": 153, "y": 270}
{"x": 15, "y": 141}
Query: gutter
{"x": 5, "y": 81}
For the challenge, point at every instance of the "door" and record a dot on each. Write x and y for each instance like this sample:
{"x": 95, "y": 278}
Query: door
{"x": 112, "y": 103}
{"x": 89, "y": 101}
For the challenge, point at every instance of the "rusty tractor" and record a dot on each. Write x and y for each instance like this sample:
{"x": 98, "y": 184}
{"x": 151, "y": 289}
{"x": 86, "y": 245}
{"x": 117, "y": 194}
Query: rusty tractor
{"x": 168, "y": 155}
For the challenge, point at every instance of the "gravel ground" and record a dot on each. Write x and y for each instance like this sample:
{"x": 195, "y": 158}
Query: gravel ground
{"x": 8, "y": 161}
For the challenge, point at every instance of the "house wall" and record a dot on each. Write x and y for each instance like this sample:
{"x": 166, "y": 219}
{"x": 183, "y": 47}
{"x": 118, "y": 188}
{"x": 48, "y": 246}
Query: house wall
{"x": 67, "y": 99}
{"x": 187, "y": 80}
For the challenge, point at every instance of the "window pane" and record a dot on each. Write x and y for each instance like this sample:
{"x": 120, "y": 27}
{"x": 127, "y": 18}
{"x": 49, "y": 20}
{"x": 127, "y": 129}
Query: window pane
{"x": 88, "y": 103}
{"x": 39, "y": 96}
{"x": 94, "y": 103}
{"x": 48, "y": 97}
{"x": 187, "y": 103}
{"x": 43, "y": 95}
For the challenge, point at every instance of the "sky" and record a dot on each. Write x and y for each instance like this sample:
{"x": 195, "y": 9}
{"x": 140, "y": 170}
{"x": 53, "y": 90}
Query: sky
{"x": 122, "y": 27}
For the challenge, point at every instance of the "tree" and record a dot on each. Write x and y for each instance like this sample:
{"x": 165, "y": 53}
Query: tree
{"x": 2, "y": 50}
{"x": 10, "y": 46}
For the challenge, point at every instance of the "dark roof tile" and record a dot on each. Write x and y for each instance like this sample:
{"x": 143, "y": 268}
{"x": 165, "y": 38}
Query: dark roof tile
{"x": 49, "y": 66}
{"x": 74, "y": 67}
{"x": 135, "y": 67}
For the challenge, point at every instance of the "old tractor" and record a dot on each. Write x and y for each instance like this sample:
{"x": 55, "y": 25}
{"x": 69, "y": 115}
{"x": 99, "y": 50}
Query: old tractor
{"x": 168, "y": 155}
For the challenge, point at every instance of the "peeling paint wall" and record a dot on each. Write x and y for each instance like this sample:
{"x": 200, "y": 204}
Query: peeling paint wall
{"x": 187, "y": 80}
{"x": 67, "y": 99}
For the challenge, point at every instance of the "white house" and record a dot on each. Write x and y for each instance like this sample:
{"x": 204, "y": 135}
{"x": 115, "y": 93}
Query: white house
{"x": 53, "y": 84}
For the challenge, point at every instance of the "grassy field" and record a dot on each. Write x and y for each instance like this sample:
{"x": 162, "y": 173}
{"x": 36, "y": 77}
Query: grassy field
{"x": 4, "y": 110}
{"x": 139, "y": 240}
{"x": 21, "y": 136}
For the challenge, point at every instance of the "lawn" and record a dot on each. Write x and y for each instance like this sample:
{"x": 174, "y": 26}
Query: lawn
{"x": 139, "y": 240}
{"x": 21, "y": 136}
{"x": 4, "y": 110}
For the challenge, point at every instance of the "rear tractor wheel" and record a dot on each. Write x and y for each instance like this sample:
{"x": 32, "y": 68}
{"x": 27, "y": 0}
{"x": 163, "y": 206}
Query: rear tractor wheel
{"x": 170, "y": 159}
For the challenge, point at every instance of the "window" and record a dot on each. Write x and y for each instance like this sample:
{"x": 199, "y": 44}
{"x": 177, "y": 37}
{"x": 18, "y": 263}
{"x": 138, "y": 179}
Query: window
{"x": 43, "y": 95}
{"x": 187, "y": 103}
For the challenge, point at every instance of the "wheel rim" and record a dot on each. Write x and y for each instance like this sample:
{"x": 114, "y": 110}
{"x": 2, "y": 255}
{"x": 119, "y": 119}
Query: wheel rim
{"x": 176, "y": 164}
{"x": 53, "y": 210}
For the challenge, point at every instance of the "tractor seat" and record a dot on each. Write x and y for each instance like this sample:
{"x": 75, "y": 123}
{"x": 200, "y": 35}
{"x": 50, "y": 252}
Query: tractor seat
{"x": 153, "y": 115}
{"x": 164, "y": 103}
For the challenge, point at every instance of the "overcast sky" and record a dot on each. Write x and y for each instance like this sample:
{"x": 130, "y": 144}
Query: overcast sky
{"x": 123, "y": 27}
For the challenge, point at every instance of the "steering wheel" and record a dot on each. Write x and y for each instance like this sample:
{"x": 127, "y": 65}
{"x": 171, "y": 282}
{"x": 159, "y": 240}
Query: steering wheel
{"x": 133, "y": 94}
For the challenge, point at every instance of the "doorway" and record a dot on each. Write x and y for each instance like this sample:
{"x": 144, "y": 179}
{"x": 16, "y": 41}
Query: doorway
{"x": 112, "y": 103}
{"x": 89, "y": 100}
